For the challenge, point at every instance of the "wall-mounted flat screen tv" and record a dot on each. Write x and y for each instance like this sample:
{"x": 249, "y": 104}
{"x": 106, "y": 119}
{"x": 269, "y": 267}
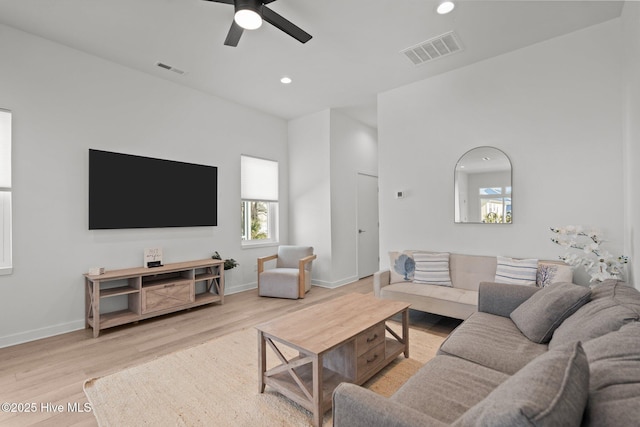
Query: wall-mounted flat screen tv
{"x": 127, "y": 191}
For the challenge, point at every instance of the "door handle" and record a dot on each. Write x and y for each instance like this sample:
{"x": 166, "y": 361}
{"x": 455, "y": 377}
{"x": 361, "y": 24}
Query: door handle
{"x": 361, "y": 231}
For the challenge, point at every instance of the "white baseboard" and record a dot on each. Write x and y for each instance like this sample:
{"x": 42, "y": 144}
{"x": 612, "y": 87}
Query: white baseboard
{"x": 36, "y": 334}
{"x": 237, "y": 289}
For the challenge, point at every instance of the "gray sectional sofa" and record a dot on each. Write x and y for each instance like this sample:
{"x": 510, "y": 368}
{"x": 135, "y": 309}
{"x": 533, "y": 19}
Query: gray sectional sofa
{"x": 562, "y": 355}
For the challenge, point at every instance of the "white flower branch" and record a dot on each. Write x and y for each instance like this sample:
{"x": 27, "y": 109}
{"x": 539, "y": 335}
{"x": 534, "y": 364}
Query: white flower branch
{"x": 598, "y": 263}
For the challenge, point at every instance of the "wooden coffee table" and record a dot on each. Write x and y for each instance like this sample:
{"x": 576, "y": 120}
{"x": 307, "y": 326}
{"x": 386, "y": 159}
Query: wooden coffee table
{"x": 342, "y": 340}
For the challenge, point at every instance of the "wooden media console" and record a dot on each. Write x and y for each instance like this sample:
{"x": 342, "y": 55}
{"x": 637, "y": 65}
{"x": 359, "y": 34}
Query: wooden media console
{"x": 152, "y": 292}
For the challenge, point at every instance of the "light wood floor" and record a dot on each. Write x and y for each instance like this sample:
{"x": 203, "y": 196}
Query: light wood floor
{"x": 52, "y": 370}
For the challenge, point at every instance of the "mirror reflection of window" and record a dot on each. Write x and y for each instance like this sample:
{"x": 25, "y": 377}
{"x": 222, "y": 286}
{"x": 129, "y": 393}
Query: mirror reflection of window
{"x": 482, "y": 191}
{"x": 495, "y": 204}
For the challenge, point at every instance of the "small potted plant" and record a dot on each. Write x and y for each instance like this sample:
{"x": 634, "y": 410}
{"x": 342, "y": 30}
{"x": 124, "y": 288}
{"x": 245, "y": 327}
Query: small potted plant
{"x": 228, "y": 263}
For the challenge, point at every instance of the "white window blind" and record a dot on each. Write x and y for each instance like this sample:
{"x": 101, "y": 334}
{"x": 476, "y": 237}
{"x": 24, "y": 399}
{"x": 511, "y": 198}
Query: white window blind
{"x": 259, "y": 179}
{"x": 5, "y": 150}
{"x": 5, "y": 192}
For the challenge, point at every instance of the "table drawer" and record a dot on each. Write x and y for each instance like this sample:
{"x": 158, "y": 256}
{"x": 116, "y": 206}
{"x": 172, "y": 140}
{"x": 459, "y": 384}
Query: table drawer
{"x": 370, "y": 338}
{"x": 167, "y": 295}
{"x": 370, "y": 360}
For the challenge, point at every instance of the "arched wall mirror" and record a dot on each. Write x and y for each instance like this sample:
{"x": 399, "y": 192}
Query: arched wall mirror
{"x": 482, "y": 187}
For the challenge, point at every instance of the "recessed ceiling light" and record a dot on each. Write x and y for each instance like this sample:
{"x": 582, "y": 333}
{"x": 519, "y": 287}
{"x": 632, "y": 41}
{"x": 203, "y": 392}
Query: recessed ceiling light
{"x": 445, "y": 7}
{"x": 285, "y": 80}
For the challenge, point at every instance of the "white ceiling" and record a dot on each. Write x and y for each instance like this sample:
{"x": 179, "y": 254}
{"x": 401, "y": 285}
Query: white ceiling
{"x": 353, "y": 55}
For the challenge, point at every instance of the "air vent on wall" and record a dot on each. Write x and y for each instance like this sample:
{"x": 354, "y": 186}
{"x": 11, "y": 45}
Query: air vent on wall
{"x": 170, "y": 68}
{"x": 434, "y": 48}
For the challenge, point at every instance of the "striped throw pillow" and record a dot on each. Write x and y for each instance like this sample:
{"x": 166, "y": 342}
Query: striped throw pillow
{"x": 432, "y": 268}
{"x": 516, "y": 271}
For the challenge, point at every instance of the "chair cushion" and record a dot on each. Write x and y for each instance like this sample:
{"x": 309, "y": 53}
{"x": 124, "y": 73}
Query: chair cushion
{"x": 492, "y": 341}
{"x": 279, "y": 283}
{"x": 552, "y": 390}
{"x": 614, "y": 384}
{"x": 432, "y": 268}
{"x": 612, "y": 305}
{"x": 540, "y": 315}
{"x": 289, "y": 256}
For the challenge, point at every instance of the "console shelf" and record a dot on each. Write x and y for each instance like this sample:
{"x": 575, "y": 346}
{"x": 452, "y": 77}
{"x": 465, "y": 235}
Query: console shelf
{"x": 153, "y": 291}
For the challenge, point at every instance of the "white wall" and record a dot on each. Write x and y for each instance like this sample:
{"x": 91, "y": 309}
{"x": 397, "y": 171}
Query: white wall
{"x": 65, "y": 102}
{"x": 631, "y": 39}
{"x": 310, "y": 189}
{"x": 326, "y": 151}
{"x": 554, "y": 108}
{"x": 354, "y": 149}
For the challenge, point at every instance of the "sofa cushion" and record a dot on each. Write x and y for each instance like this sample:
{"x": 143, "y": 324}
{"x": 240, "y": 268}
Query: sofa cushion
{"x": 467, "y": 271}
{"x": 612, "y": 305}
{"x": 614, "y": 385}
{"x": 446, "y": 387}
{"x": 491, "y": 341}
{"x": 433, "y": 291}
{"x": 550, "y": 391}
{"x": 402, "y": 267}
{"x": 442, "y": 300}
{"x": 553, "y": 272}
{"x": 432, "y": 268}
{"x": 516, "y": 271}
{"x": 539, "y": 316}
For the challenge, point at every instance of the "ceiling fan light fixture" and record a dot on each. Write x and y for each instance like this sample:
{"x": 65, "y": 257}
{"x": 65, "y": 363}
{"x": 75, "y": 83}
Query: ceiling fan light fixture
{"x": 248, "y": 19}
{"x": 248, "y": 14}
{"x": 445, "y": 7}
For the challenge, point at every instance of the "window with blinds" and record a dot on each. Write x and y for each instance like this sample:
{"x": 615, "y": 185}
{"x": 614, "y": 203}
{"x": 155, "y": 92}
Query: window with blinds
{"x": 259, "y": 195}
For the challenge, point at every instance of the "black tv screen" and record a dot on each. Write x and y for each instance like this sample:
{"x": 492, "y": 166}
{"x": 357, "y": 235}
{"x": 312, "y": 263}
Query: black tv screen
{"x": 127, "y": 191}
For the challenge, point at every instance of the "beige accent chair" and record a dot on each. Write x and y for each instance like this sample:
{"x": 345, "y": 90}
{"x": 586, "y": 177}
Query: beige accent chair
{"x": 291, "y": 278}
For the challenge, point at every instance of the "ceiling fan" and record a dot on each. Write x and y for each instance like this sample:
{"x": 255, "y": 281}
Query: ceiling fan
{"x": 249, "y": 15}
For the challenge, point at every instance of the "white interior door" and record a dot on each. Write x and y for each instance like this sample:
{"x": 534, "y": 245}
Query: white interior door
{"x": 368, "y": 232}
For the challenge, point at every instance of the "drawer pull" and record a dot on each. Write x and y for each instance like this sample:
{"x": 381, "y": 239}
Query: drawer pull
{"x": 170, "y": 286}
{"x": 375, "y": 356}
{"x": 373, "y": 338}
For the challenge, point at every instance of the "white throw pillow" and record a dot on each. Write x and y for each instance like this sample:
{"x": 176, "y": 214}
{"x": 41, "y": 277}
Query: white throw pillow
{"x": 432, "y": 268}
{"x": 401, "y": 267}
{"x": 550, "y": 272}
{"x": 516, "y": 271}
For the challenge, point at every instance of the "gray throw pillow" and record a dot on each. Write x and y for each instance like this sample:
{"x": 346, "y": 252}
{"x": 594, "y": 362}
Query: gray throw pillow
{"x": 551, "y": 390}
{"x": 545, "y": 310}
{"x": 612, "y": 305}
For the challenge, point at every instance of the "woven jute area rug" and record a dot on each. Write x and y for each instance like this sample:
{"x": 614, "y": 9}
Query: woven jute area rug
{"x": 216, "y": 384}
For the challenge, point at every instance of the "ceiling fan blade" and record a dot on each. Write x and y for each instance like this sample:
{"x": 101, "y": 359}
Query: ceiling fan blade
{"x": 287, "y": 26}
{"x": 223, "y": 1}
{"x": 233, "y": 36}
{"x": 267, "y": 1}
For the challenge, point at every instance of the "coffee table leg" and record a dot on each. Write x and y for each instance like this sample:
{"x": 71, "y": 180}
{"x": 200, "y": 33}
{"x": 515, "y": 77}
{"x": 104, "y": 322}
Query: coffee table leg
{"x": 318, "y": 398}
{"x": 262, "y": 361}
{"x": 405, "y": 332}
